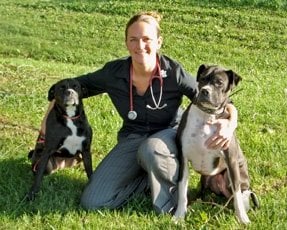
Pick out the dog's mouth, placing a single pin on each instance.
(71, 97)
(71, 101)
(208, 105)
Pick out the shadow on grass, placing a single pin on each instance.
(60, 192)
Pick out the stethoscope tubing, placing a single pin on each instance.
(132, 115)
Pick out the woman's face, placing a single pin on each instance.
(142, 42)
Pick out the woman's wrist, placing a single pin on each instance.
(233, 116)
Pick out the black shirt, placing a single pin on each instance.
(114, 79)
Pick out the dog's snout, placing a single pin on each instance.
(69, 92)
(71, 97)
(204, 92)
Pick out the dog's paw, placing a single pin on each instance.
(246, 196)
(243, 217)
(240, 208)
(246, 199)
(177, 220)
(179, 215)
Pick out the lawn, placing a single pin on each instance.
(45, 41)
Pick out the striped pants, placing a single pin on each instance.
(135, 164)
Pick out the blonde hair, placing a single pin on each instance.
(150, 17)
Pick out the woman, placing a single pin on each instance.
(145, 155)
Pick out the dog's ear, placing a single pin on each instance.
(51, 93)
(234, 78)
(200, 70)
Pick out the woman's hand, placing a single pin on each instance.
(224, 132)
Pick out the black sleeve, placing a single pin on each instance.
(95, 82)
(187, 83)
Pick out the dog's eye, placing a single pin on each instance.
(75, 86)
(218, 83)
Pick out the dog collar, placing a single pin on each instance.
(215, 112)
(71, 118)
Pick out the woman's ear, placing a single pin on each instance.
(159, 42)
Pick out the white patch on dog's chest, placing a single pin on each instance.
(196, 132)
(73, 143)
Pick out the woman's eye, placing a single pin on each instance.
(147, 40)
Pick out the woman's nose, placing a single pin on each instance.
(141, 43)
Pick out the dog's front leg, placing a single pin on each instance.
(234, 180)
(88, 163)
(87, 159)
(38, 176)
(182, 191)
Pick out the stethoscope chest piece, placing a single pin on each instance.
(132, 115)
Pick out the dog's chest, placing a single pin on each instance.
(196, 132)
(73, 142)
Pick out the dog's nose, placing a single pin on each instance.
(205, 92)
(69, 92)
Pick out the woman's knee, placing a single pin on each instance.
(150, 151)
(88, 201)
(162, 143)
(158, 154)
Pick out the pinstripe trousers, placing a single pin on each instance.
(135, 164)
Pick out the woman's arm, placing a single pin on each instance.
(225, 129)
(43, 123)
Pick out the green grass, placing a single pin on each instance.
(44, 41)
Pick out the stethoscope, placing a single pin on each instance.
(132, 114)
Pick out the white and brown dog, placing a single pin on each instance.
(222, 171)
